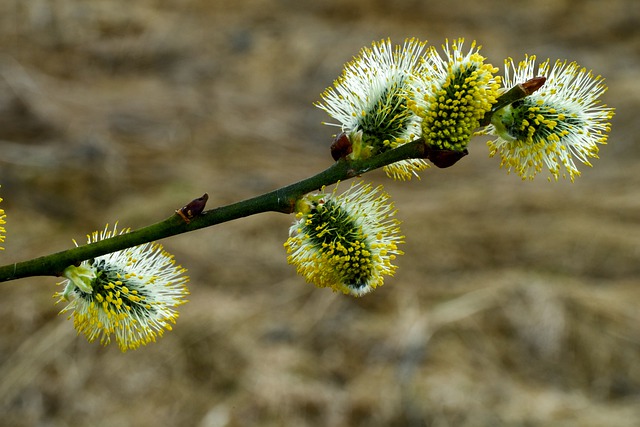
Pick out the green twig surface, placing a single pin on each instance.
(280, 200)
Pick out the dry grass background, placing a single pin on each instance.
(516, 303)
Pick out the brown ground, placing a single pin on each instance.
(516, 303)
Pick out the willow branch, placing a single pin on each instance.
(280, 200)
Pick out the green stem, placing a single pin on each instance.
(514, 94)
(280, 200)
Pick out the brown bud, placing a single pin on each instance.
(193, 208)
(533, 84)
(341, 147)
(445, 158)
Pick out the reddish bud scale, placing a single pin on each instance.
(532, 85)
(193, 208)
(446, 158)
(341, 147)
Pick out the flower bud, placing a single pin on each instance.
(371, 103)
(130, 294)
(346, 242)
(560, 122)
(460, 90)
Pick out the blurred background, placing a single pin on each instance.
(516, 303)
